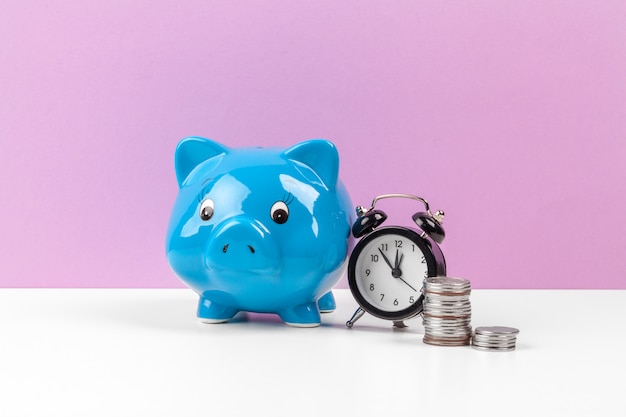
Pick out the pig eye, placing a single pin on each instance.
(279, 212)
(206, 209)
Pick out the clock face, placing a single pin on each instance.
(387, 270)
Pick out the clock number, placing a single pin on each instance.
(374, 258)
(413, 247)
(371, 287)
(398, 243)
(423, 259)
(426, 274)
(367, 272)
(384, 246)
(395, 302)
(382, 296)
(411, 299)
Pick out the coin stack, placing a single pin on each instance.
(447, 311)
(495, 338)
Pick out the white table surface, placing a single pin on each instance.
(94, 352)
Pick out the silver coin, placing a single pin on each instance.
(451, 284)
(441, 296)
(435, 327)
(496, 330)
(485, 343)
(449, 333)
(435, 318)
(446, 288)
(444, 342)
(448, 339)
(435, 294)
(447, 306)
(446, 325)
(497, 345)
(493, 349)
(465, 314)
(450, 287)
(447, 315)
(435, 308)
(431, 298)
(442, 293)
(445, 319)
(443, 300)
(442, 281)
(446, 311)
(496, 336)
(483, 339)
(433, 322)
(439, 343)
(450, 336)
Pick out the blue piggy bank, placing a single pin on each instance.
(260, 230)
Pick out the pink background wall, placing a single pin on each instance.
(510, 116)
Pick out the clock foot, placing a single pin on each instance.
(357, 315)
(399, 324)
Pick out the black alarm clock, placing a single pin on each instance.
(388, 265)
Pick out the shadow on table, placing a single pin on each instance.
(176, 312)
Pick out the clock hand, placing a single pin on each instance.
(400, 278)
(396, 271)
(386, 259)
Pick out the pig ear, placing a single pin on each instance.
(319, 155)
(191, 152)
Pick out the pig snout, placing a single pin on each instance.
(242, 244)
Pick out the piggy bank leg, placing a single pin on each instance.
(212, 312)
(327, 303)
(303, 315)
